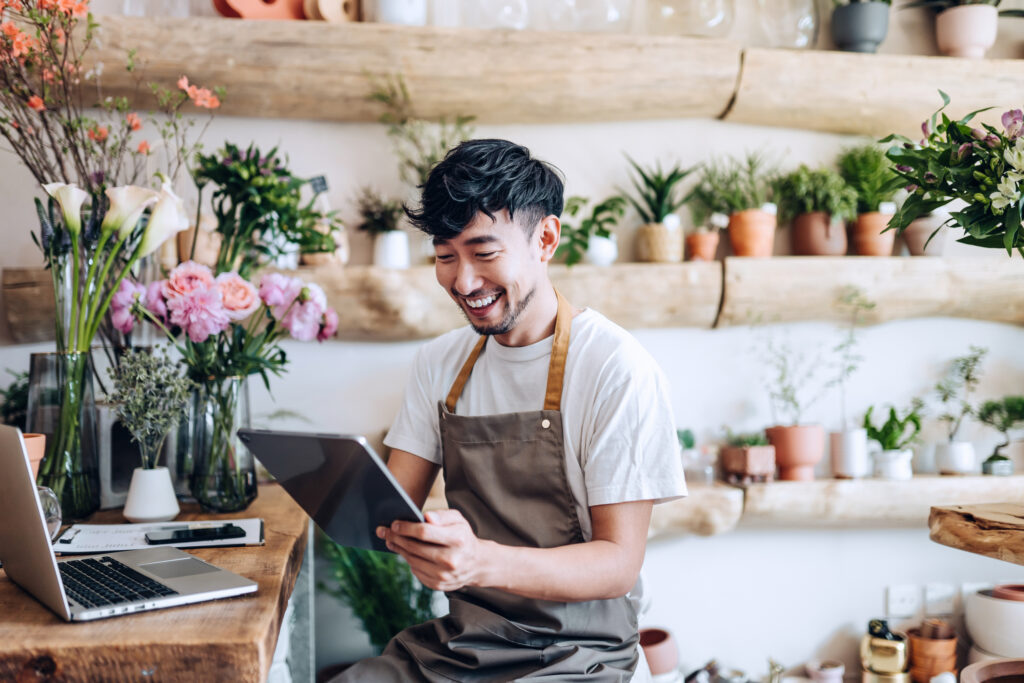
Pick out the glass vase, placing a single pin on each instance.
(61, 404)
(223, 469)
(704, 18)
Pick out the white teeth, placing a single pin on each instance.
(480, 303)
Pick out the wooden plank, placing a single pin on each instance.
(878, 94)
(832, 502)
(708, 510)
(29, 304)
(230, 639)
(992, 529)
(786, 289)
(320, 70)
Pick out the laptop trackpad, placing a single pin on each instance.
(176, 569)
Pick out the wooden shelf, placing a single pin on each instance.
(993, 529)
(708, 510)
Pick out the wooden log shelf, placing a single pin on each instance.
(993, 529)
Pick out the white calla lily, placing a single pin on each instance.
(127, 203)
(167, 219)
(70, 198)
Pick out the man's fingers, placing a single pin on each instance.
(445, 517)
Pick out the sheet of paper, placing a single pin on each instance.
(101, 538)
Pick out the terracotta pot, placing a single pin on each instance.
(967, 30)
(1009, 591)
(660, 650)
(659, 243)
(917, 234)
(815, 234)
(798, 449)
(35, 444)
(702, 246)
(752, 233)
(756, 463)
(1003, 671)
(930, 656)
(868, 238)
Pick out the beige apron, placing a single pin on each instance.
(507, 475)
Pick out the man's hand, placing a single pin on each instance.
(443, 553)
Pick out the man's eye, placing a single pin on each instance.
(444, 258)
(487, 254)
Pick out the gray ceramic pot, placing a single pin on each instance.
(860, 26)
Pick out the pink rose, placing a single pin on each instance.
(200, 314)
(328, 326)
(238, 296)
(187, 278)
(279, 291)
(155, 302)
(128, 292)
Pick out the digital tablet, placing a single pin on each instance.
(338, 480)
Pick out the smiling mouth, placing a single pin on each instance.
(481, 306)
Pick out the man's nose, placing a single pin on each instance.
(466, 279)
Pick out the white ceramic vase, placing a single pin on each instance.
(405, 12)
(849, 451)
(957, 457)
(601, 251)
(391, 249)
(151, 496)
(894, 465)
(966, 30)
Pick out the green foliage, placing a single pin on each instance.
(745, 439)
(686, 438)
(869, 172)
(603, 217)
(379, 588)
(1003, 415)
(657, 191)
(896, 433)
(150, 394)
(728, 185)
(806, 191)
(954, 390)
(13, 410)
(377, 213)
(854, 304)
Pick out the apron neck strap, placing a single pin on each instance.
(556, 367)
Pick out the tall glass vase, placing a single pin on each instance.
(61, 404)
(223, 469)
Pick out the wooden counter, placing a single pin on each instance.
(231, 639)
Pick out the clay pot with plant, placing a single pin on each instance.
(965, 28)
(747, 458)
(894, 438)
(592, 240)
(657, 196)
(1002, 415)
(817, 202)
(848, 447)
(954, 397)
(741, 190)
(870, 173)
(924, 236)
(798, 447)
(702, 242)
(381, 217)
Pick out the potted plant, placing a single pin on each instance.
(818, 202)
(150, 394)
(897, 433)
(924, 235)
(380, 217)
(742, 191)
(702, 241)
(965, 28)
(593, 240)
(798, 447)
(859, 26)
(747, 458)
(1002, 415)
(849, 446)
(657, 198)
(954, 393)
(866, 169)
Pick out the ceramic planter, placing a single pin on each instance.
(916, 235)
(868, 238)
(752, 233)
(860, 26)
(702, 246)
(957, 457)
(660, 650)
(747, 464)
(1004, 671)
(660, 242)
(894, 464)
(798, 449)
(930, 656)
(966, 30)
(995, 624)
(816, 234)
(849, 453)
(601, 251)
(391, 250)
(151, 496)
(999, 468)
(825, 671)
(404, 12)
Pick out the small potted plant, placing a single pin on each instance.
(818, 202)
(381, 217)
(954, 394)
(150, 394)
(965, 28)
(894, 438)
(859, 25)
(1002, 415)
(924, 235)
(741, 190)
(866, 169)
(747, 458)
(593, 239)
(657, 197)
(798, 447)
(702, 241)
(849, 446)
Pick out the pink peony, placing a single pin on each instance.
(199, 313)
(303, 319)
(128, 292)
(329, 325)
(279, 291)
(155, 302)
(187, 278)
(239, 297)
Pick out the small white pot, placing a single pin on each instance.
(391, 250)
(894, 464)
(601, 251)
(966, 30)
(405, 12)
(151, 496)
(849, 450)
(957, 457)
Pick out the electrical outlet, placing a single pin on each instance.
(903, 600)
(939, 599)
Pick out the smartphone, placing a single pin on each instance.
(209, 533)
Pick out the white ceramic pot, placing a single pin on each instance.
(995, 625)
(924, 459)
(825, 671)
(849, 451)
(151, 496)
(405, 12)
(966, 30)
(976, 654)
(957, 457)
(391, 249)
(601, 251)
(894, 464)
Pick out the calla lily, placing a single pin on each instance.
(70, 198)
(168, 218)
(126, 206)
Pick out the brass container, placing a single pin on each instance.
(872, 677)
(881, 656)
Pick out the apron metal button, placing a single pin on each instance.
(545, 423)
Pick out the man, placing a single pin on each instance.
(554, 432)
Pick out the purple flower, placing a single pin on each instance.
(911, 188)
(328, 326)
(926, 128)
(97, 177)
(978, 133)
(992, 140)
(930, 178)
(903, 169)
(128, 292)
(200, 314)
(1013, 122)
(155, 302)
(962, 151)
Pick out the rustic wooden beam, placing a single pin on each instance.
(992, 529)
(708, 510)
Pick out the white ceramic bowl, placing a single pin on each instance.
(995, 625)
(976, 654)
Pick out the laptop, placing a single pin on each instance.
(99, 586)
(339, 481)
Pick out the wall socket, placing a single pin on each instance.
(903, 600)
(939, 599)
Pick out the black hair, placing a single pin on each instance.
(487, 176)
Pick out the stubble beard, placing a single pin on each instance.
(508, 322)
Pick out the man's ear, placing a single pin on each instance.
(547, 235)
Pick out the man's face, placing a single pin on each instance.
(491, 270)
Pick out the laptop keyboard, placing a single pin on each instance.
(105, 581)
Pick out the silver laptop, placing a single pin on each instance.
(97, 586)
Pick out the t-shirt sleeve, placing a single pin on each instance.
(415, 430)
(633, 452)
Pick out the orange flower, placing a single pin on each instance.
(99, 133)
(143, 147)
(9, 29)
(134, 122)
(202, 97)
(183, 83)
(59, 34)
(47, 4)
(13, 5)
(35, 103)
(81, 9)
